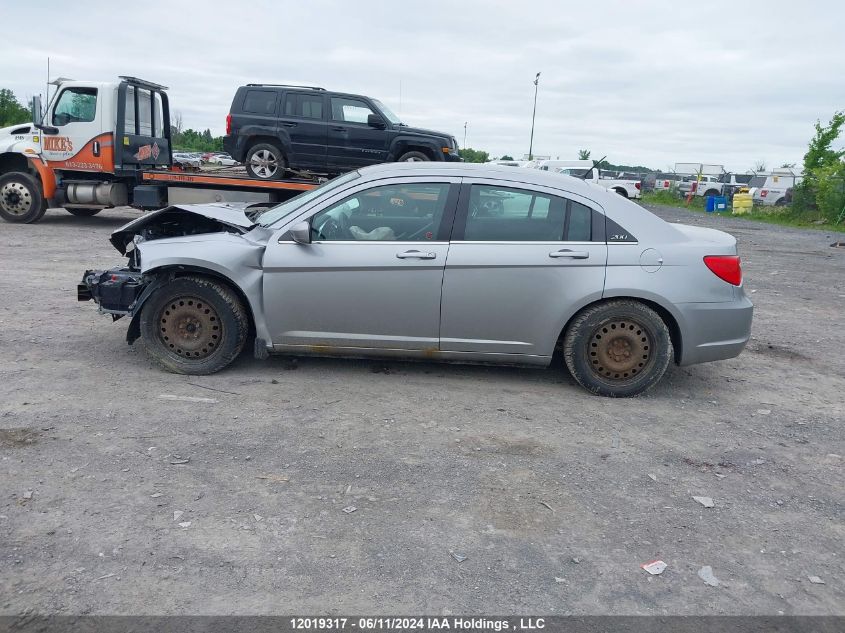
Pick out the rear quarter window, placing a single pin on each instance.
(260, 102)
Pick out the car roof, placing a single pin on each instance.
(481, 170)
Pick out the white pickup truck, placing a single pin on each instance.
(722, 185)
(625, 188)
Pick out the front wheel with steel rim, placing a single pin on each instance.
(619, 348)
(20, 198)
(265, 161)
(194, 325)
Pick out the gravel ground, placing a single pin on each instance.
(555, 497)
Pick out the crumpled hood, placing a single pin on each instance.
(185, 219)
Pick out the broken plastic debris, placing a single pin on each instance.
(167, 396)
(349, 509)
(652, 476)
(257, 517)
(27, 494)
(458, 557)
(177, 514)
(707, 502)
(763, 411)
(655, 567)
(155, 495)
(559, 579)
(185, 524)
(706, 574)
(178, 459)
(815, 580)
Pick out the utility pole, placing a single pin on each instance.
(533, 115)
(465, 135)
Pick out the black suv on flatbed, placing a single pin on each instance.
(272, 128)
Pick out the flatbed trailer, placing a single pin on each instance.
(102, 145)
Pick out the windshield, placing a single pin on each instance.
(387, 112)
(274, 214)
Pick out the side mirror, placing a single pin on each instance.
(36, 111)
(301, 233)
(374, 120)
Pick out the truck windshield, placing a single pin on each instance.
(274, 214)
(387, 112)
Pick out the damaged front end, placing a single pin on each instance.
(122, 291)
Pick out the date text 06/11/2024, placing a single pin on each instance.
(421, 623)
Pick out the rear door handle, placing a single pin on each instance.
(338, 129)
(289, 124)
(565, 252)
(416, 255)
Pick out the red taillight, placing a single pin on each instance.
(725, 267)
(763, 193)
(228, 123)
(638, 185)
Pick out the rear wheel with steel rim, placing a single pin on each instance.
(265, 161)
(21, 200)
(618, 348)
(194, 325)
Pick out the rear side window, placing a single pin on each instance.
(505, 214)
(302, 105)
(260, 102)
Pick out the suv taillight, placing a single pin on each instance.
(763, 193)
(638, 185)
(725, 267)
(229, 123)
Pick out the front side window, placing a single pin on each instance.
(76, 105)
(350, 110)
(401, 212)
(505, 214)
(287, 208)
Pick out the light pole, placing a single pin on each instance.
(533, 114)
(465, 135)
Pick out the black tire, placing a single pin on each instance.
(619, 348)
(711, 192)
(194, 325)
(83, 213)
(21, 200)
(265, 161)
(621, 192)
(412, 157)
(780, 202)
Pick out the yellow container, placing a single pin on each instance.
(742, 203)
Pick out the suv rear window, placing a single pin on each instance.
(260, 102)
(308, 106)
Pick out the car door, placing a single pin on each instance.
(372, 275)
(352, 142)
(521, 260)
(304, 120)
(77, 116)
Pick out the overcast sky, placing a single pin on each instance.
(650, 83)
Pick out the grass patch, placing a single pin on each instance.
(783, 216)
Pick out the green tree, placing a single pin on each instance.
(583, 154)
(506, 157)
(11, 111)
(820, 154)
(473, 155)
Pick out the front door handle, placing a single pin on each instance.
(289, 124)
(338, 129)
(565, 252)
(416, 255)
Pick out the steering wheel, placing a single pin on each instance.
(335, 229)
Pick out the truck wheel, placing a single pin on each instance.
(20, 199)
(412, 157)
(618, 348)
(83, 213)
(621, 192)
(711, 192)
(194, 325)
(265, 161)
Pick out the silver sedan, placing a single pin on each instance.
(433, 261)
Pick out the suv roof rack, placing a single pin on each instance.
(289, 86)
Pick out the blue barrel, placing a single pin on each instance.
(710, 205)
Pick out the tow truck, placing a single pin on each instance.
(101, 145)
